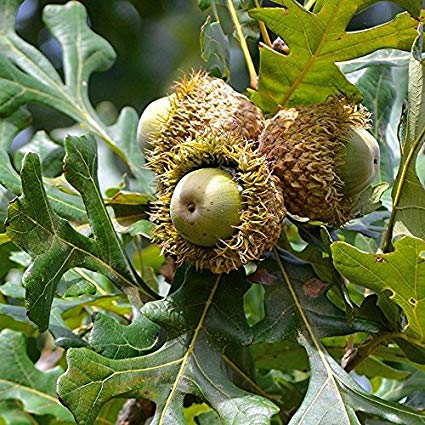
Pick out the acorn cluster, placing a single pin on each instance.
(227, 176)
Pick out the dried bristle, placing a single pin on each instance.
(302, 145)
(263, 208)
(203, 104)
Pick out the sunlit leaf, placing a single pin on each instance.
(401, 272)
(26, 75)
(308, 74)
(52, 242)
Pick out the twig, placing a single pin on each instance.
(135, 412)
(309, 5)
(365, 350)
(263, 29)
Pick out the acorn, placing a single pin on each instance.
(197, 199)
(219, 204)
(202, 104)
(151, 120)
(324, 157)
(359, 162)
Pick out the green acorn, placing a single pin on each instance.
(324, 158)
(151, 120)
(359, 162)
(198, 198)
(219, 205)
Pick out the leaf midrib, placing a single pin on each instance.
(190, 349)
(317, 344)
(81, 250)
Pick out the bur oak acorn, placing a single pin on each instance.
(219, 205)
(324, 157)
(201, 104)
(358, 163)
(206, 206)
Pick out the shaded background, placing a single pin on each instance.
(155, 41)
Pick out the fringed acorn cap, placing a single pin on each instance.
(201, 103)
(310, 148)
(261, 202)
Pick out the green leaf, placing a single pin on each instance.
(116, 341)
(201, 318)
(378, 86)
(50, 152)
(69, 207)
(401, 272)
(204, 4)
(282, 355)
(81, 172)
(385, 57)
(20, 380)
(6, 264)
(12, 414)
(109, 413)
(281, 320)
(129, 208)
(396, 391)
(65, 205)
(215, 49)
(408, 215)
(51, 241)
(332, 396)
(308, 74)
(142, 227)
(75, 283)
(13, 290)
(84, 52)
(9, 128)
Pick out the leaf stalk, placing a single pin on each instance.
(263, 28)
(244, 46)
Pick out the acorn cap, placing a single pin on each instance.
(203, 104)
(260, 213)
(324, 158)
